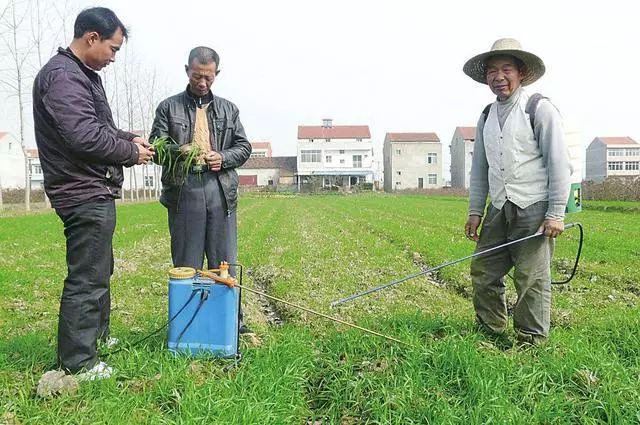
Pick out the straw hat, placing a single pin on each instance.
(533, 66)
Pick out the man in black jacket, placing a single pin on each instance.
(82, 154)
(201, 198)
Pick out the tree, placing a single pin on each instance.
(19, 52)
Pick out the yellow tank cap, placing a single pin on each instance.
(182, 273)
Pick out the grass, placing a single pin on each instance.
(312, 250)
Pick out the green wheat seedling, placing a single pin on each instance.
(169, 154)
(163, 153)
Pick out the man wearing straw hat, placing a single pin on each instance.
(522, 164)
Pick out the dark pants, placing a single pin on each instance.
(201, 226)
(531, 260)
(85, 304)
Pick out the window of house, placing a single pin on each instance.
(420, 183)
(327, 140)
(432, 158)
(398, 183)
(310, 156)
(148, 181)
(399, 173)
(397, 151)
(614, 165)
(615, 152)
(633, 151)
(36, 169)
(341, 151)
(311, 140)
(631, 165)
(357, 161)
(359, 140)
(432, 178)
(327, 158)
(258, 154)
(342, 161)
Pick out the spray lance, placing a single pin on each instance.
(476, 254)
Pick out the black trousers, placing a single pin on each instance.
(86, 303)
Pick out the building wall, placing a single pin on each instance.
(461, 158)
(265, 175)
(142, 177)
(12, 166)
(11, 163)
(627, 158)
(596, 161)
(409, 164)
(336, 157)
(386, 163)
(600, 158)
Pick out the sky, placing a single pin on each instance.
(395, 66)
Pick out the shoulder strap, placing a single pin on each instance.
(532, 106)
(485, 112)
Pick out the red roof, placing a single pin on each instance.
(284, 163)
(32, 153)
(468, 133)
(617, 140)
(334, 132)
(412, 137)
(2, 134)
(261, 145)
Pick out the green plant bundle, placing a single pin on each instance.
(176, 157)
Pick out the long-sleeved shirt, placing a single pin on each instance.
(513, 162)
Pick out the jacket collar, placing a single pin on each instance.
(199, 100)
(68, 53)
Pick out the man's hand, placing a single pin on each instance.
(141, 141)
(145, 150)
(145, 153)
(471, 228)
(214, 160)
(552, 228)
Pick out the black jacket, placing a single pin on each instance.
(81, 150)
(175, 118)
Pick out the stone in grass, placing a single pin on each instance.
(56, 382)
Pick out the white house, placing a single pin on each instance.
(612, 156)
(412, 161)
(12, 167)
(268, 171)
(461, 156)
(260, 149)
(340, 155)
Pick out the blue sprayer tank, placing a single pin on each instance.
(208, 322)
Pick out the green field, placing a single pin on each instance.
(311, 250)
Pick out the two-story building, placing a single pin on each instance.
(412, 161)
(461, 156)
(340, 155)
(612, 156)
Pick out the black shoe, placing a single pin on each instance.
(244, 329)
